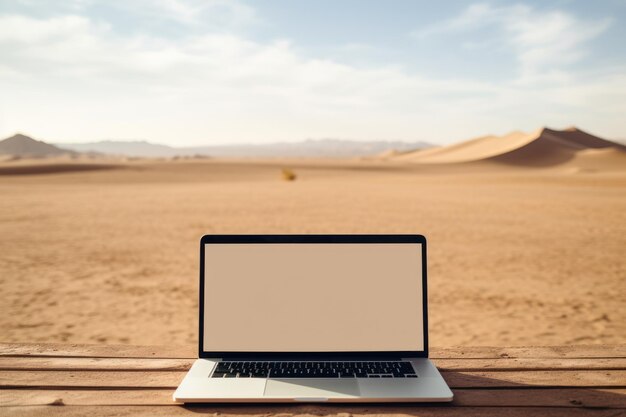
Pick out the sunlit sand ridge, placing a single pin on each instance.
(542, 148)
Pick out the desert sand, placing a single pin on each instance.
(526, 236)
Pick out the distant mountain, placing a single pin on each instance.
(22, 145)
(308, 148)
(125, 148)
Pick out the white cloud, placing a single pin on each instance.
(552, 40)
(544, 42)
(74, 47)
(76, 78)
(18, 29)
(210, 14)
(474, 16)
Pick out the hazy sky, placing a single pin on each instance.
(187, 72)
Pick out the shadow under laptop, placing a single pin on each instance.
(469, 391)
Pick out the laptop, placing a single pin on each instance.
(313, 318)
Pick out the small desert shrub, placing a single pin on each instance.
(288, 175)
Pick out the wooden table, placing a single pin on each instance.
(94, 380)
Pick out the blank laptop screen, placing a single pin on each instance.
(320, 297)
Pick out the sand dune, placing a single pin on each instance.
(608, 159)
(541, 148)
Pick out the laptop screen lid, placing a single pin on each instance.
(313, 296)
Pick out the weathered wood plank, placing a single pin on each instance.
(568, 397)
(533, 352)
(85, 364)
(530, 364)
(138, 380)
(93, 379)
(455, 379)
(190, 352)
(537, 397)
(519, 379)
(345, 410)
(97, 351)
(125, 364)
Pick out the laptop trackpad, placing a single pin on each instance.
(314, 388)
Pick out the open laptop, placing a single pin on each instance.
(313, 318)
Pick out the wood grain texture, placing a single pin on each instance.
(97, 351)
(190, 352)
(126, 364)
(171, 379)
(345, 410)
(87, 364)
(564, 397)
(51, 379)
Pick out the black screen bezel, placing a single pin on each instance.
(270, 239)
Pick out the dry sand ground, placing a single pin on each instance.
(517, 256)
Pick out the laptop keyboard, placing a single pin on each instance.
(293, 369)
